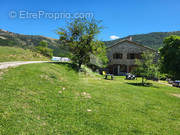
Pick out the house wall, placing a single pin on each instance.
(115, 65)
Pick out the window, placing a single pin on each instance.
(139, 56)
(131, 55)
(117, 56)
(134, 56)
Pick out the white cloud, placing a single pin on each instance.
(113, 37)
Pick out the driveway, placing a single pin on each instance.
(4, 65)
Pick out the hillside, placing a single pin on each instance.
(153, 40)
(30, 41)
(54, 99)
(19, 54)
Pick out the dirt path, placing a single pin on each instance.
(4, 65)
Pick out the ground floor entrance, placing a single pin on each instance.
(121, 69)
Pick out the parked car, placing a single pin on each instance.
(176, 83)
(169, 81)
(130, 76)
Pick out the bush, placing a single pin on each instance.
(45, 51)
(163, 76)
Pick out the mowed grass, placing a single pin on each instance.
(54, 99)
(19, 54)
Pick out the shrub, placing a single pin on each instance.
(45, 51)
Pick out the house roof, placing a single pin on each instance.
(126, 40)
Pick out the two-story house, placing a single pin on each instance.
(122, 56)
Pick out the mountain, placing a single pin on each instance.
(30, 41)
(153, 40)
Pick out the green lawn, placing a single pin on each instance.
(32, 101)
(18, 54)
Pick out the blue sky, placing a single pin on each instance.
(120, 17)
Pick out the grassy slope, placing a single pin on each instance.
(18, 54)
(31, 102)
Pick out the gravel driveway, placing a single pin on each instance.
(4, 65)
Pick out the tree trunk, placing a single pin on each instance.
(143, 80)
(79, 65)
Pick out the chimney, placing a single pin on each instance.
(130, 38)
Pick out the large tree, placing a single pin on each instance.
(80, 35)
(170, 56)
(147, 67)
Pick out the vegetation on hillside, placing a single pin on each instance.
(19, 54)
(30, 42)
(153, 40)
(54, 99)
(43, 49)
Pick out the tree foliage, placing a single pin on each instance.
(170, 56)
(80, 35)
(147, 67)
